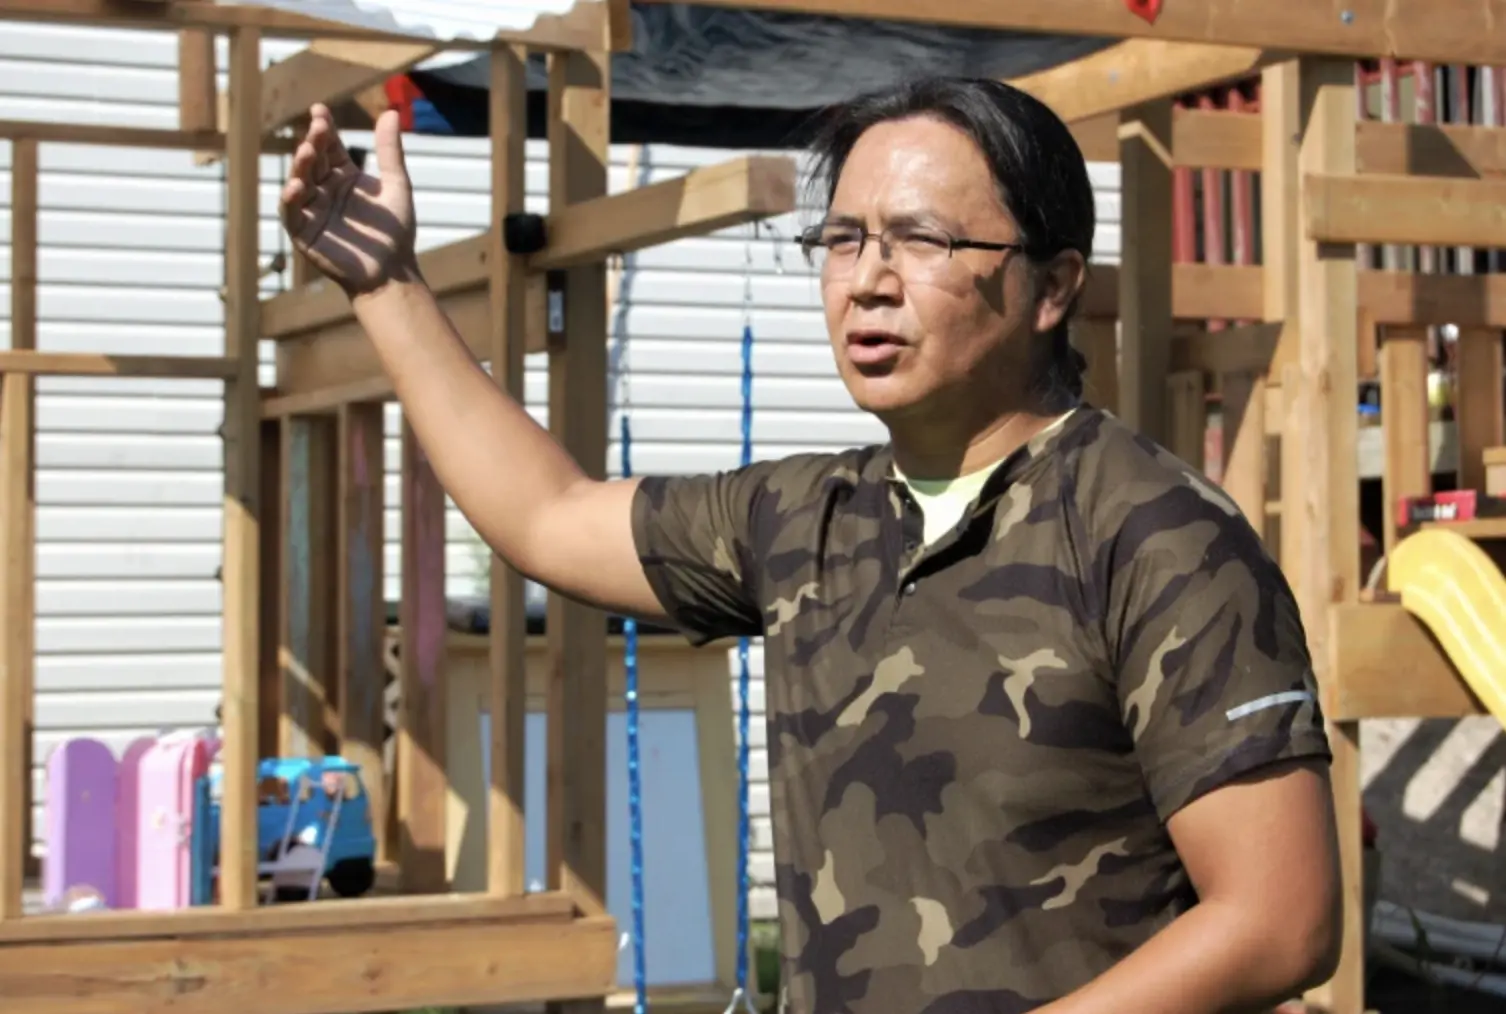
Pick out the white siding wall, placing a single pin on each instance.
(128, 483)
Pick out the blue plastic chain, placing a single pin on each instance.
(635, 787)
(744, 682)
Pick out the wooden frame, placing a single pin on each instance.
(316, 438)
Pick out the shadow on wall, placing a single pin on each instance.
(1436, 790)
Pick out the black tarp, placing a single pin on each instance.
(729, 78)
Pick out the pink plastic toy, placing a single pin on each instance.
(165, 786)
(79, 822)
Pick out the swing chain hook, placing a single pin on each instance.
(740, 994)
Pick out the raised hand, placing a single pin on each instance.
(356, 228)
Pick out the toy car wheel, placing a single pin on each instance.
(351, 878)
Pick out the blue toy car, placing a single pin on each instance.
(304, 804)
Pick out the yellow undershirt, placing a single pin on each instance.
(943, 502)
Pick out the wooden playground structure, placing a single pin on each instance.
(1286, 337)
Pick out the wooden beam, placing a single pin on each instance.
(18, 542)
(1404, 420)
(1444, 31)
(579, 100)
(421, 780)
(1245, 348)
(1135, 72)
(703, 200)
(127, 137)
(332, 71)
(240, 570)
(1145, 272)
(1372, 644)
(198, 104)
(1320, 472)
(1230, 291)
(307, 621)
(507, 341)
(396, 954)
(361, 614)
(1479, 402)
(91, 364)
(1404, 209)
(587, 23)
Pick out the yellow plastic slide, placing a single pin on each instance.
(1448, 582)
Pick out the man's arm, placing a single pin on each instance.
(525, 496)
(1262, 854)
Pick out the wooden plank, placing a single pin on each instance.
(240, 570)
(1204, 291)
(1446, 31)
(1404, 421)
(1495, 471)
(1417, 149)
(270, 591)
(1187, 416)
(1479, 402)
(1373, 645)
(507, 640)
(421, 713)
(379, 966)
(128, 137)
(198, 100)
(703, 200)
(371, 390)
(1246, 463)
(18, 542)
(1320, 471)
(579, 95)
(1243, 348)
(1145, 276)
(1134, 72)
(90, 364)
(1215, 139)
(361, 606)
(1404, 209)
(308, 618)
(331, 71)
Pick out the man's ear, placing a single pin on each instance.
(1058, 285)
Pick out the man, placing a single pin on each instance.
(1042, 726)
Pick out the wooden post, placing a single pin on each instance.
(242, 435)
(308, 619)
(1098, 341)
(361, 614)
(1186, 402)
(270, 594)
(579, 115)
(198, 94)
(1479, 408)
(1320, 478)
(18, 541)
(1404, 420)
(422, 782)
(508, 636)
(1145, 267)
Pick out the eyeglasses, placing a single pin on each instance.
(909, 249)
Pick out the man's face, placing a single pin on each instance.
(923, 331)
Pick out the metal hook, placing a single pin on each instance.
(747, 1002)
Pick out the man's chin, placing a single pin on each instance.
(882, 396)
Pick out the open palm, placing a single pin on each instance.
(356, 228)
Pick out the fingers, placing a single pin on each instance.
(388, 141)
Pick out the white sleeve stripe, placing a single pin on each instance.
(1268, 701)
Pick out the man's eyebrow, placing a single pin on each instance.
(922, 218)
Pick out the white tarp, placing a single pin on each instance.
(441, 20)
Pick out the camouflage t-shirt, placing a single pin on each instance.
(974, 746)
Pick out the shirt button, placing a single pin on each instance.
(910, 588)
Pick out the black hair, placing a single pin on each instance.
(1040, 171)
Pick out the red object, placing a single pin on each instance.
(1453, 505)
(1147, 9)
(401, 93)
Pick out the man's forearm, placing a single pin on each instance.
(1214, 959)
(489, 454)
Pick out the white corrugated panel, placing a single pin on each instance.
(446, 20)
(128, 482)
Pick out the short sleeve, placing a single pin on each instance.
(694, 537)
(1211, 660)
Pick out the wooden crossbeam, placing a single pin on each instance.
(1445, 31)
(590, 24)
(89, 364)
(1136, 71)
(125, 137)
(1405, 209)
(1234, 292)
(1217, 139)
(331, 71)
(703, 200)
